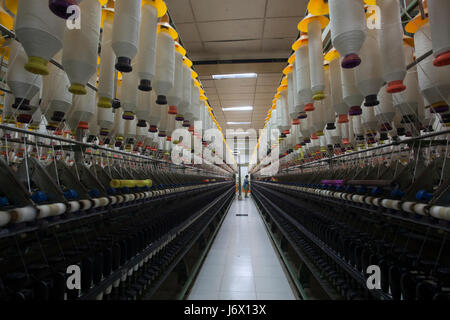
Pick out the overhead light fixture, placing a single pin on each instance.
(233, 122)
(234, 76)
(244, 108)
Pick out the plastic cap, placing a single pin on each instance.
(104, 103)
(351, 61)
(309, 107)
(395, 86)
(37, 65)
(78, 89)
(442, 60)
(342, 118)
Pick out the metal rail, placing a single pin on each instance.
(353, 272)
(102, 286)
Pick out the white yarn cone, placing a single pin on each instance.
(80, 65)
(368, 74)
(108, 58)
(351, 95)
(127, 19)
(348, 27)
(23, 84)
(390, 39)
(439, 12)
(40, 32)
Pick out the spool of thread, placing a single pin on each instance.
(100, 202)
(54, 209)
(85, 204)
(23, 214)
(74, 206)
(440, 212)
(5, 218)
(391, 204)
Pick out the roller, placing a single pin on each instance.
(5, 218)
(108, 58)
(40, 32)
(440, 212)
(54, 209)
(80, 65)
(125, 39)
(348, 29)
(312, 25)
(165, 61)
(151, 11)
(23, 84)
(23, 214)
(116, 183)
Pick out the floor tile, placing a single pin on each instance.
(242, 263)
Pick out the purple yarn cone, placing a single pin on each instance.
(59, 7)
(350, 61)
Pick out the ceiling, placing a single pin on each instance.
(216, 30)
(237, 29)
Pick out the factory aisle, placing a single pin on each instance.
(242, 263)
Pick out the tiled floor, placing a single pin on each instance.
(242, 264)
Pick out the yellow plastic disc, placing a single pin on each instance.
(331, 55)
(6, 20)
(37, 65)
(104, 103)
(408, 40)
(197, 83)
(203, 97)
(160, 6)
(319, 96)
(414, 25)
(78, 89)
(291, 59)
(303, 24)
(165, 27)
(371, 2)
(194, 74)
(107, 15)
(187, 62)
(10, 5)
(282, 88)
(303, 40)
(318, 7)
(287, 70)
(180, 49)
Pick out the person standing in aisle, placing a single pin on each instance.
(246, 186)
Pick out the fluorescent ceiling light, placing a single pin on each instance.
(232, 122)
(234, 76)
(244, 108)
